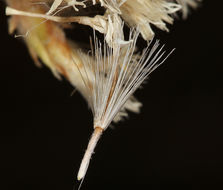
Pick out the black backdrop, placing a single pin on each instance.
(175, 143)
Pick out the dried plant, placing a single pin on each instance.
(108, 76)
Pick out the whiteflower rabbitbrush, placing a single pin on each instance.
(106, 80)
(111, 79)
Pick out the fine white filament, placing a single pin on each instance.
(111, 79)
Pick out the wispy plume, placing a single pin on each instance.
(112, 79)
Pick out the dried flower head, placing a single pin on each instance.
(108, 76)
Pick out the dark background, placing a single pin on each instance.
(175, 143)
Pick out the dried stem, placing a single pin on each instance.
(12, 11)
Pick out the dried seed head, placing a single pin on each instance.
(109, 78)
